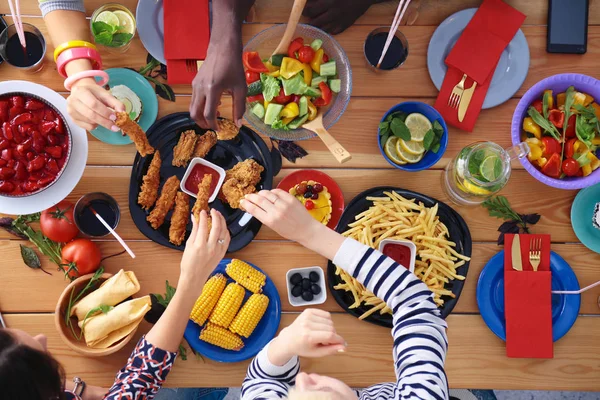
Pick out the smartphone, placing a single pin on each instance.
(567, 26)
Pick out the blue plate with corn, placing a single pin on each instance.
(236, 315)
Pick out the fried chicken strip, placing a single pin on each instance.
(180, 218)
(182, 152)
(135, 133)
(150, 183)
(203, 196)
(164, 203)
(227, 129)
(205, 143)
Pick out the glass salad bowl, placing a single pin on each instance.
(265, 43)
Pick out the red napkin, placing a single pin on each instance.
(527, 302)
(476, 54)
(187, 33)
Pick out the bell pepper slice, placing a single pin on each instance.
(291, 110)
(560, 100)
(307, 74)
(550, 98)
(287, 120)
(570, 148)
(596, 109)
(290, 67)
(326, 95)
(557, 118)
(252, 62)
(588, 100)
(271, 67)
(586, 169)
(570, 132)
(552, 167)
(531, 127)
(578, 98)
(579, 146)
(312, 111)
(535, 152)
(315, 64)
(594, 162)
(538, 105)
(258, 97)
(550, 146)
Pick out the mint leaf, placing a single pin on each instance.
(436, 147)
(400, 129)
(384, 128)
(428, 139)
(104, 38)
(121, 39)
(401, 115)
(99, 27)
(438, 129)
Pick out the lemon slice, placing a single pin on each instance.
(390, 150)
(126, 22)
(475, 189)
(412, 147)
(108, 17)
(418, 125)
(406, 156)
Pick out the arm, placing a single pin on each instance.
(222, 71)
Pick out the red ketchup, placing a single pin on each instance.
(196, 176)
(399, 253)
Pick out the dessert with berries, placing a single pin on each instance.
(316, 199)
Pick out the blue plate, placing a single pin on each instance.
(581, 217)
(264, 332)
(490, 296)
(511, 70)
(140, 86)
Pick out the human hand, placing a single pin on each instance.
(325, 14)
(90, 105)
(312, 335)
(221, 72)
(203, 249)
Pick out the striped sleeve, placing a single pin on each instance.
(420, 341)
(47, 6)
(265, 380)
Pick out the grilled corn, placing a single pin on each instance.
(228, 305)
(250, 315)
(247, 276)
(221, 337)
(208, 299)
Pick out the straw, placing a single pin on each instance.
(17, 20)
(2, 323)
(576, 291)
(112, 232)
(393, 28)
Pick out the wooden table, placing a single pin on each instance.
(476, 358)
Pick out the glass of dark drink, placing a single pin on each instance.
(30, 58)
(105, 205)
(396, 53)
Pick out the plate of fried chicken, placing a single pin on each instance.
(158, 205)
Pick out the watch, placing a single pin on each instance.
(78, 384)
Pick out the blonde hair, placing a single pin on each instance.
(311, 395)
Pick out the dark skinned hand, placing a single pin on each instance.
(222, 72)
(327, 14)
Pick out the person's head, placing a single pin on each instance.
(318, 387)
(27, 370)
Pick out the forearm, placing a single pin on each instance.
(90, 392)
(322, 240)
(228, 16)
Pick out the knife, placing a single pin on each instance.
(517, 263)
(464, 101)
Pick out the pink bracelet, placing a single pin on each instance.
(70, 81)
(77, 53)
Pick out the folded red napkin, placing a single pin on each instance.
(527, 302)
(476, 53)
(187, 33)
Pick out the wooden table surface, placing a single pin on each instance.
(476, 358)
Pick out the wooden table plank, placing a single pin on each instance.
(476, 358)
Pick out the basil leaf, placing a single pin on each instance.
(428, 139)
(399, 129)
(30, 257)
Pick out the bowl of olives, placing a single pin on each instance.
(306, 286)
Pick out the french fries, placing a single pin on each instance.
(395, 217)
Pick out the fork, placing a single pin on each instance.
(535, 252)
(193, 65)
(457, 93)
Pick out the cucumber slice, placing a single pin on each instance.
(312, 92)
(335, 85)
(276, 59)
(272, 113)
(297, 122)
(258, 110)
(303, 105)
(254, 88)
(328, 69)
(315, 81)
(316, 44)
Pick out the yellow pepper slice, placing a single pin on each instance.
(275, 74)
(287, 120)
(290, 67)
(579, 146)
(597, 109)
(542, 161)
(312, 111)
(560, 99)
(586, 169)
(271, 67)
(307, 74)
(588, 100)
(291, 110)
(315, 64)
(594, 162)
(550, 98)
(267, 104)
(535, 152)
(532, 127)
(578, 98)
(596, 141)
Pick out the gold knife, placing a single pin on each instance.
(517, 263)
(465, 100)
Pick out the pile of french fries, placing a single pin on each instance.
(395, 217)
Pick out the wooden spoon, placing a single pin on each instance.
(338, 151)
(290, 29)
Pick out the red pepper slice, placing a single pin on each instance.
(570, 148)
(552, 167)
(294, 47)
(252, 62)
(570, 133)
(557, 117)
(326, 95)
(551, 146)
(258, 97)
(538, 105)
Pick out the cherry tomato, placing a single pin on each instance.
(252, 76)
(552, 167)
(326, 95)
(306, 54)
(294, 47)
(325, 58)
(80, 257)
(570, 133)
(282, 98)
(538, 105)
(258, 97)
(57, 222)
(570, 167)
(557, 117)
(570, 148)
(252, 62)
(551, 146)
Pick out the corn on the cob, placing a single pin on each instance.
(250, 315)
(228, 305)
(245, 275)
(221, 337)
(208, 299)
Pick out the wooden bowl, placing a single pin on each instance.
(65, 332)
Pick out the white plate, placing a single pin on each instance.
(74, 169)
(151, 28)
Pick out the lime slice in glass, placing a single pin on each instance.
(108, 17)
(126, 22)
(491, 168)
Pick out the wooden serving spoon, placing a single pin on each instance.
(338, 151)
(290, 29)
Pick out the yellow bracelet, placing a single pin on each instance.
(70, 45)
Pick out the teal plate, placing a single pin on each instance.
(582, 211)
(140, 86)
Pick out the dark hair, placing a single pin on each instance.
(27, 373)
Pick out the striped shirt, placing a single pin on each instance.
(52, 5)
(419, 334)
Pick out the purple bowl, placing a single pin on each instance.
(558, 83)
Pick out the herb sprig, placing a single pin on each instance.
(154, 70)
(499, 207)
(108, 35)
(72, 301)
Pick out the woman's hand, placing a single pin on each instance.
(90, 105)
(204, 250)
(312, 335)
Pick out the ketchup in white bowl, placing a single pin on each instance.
(402, 251)
(194, 174)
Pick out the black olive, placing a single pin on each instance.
(295, 279)
(307, 296)
(316, 289)
(297, 291)
(314, 276)
(305, 284)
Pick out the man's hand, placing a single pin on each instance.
(326, 14)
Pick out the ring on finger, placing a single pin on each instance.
(221, 241)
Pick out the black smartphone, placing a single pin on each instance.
(567, 26)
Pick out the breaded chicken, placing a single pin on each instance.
(205, 143)
(179, 219)
(227, 129)
(150, 183)
(233, 191)
(164, 203)
(203, 196)
(183, 151)
(135, 133)
(247, 172)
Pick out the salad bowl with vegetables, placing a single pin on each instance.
(285, 91)
(559, 118)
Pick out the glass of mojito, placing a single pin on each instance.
(113, 27)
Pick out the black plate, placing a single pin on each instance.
(163, 135)
(459, 234)
(3, 26)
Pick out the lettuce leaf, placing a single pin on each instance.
(294, 85)
(270, 86)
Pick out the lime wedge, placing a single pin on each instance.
(418, 125)
(406, 156)
(491, 168)
(108, 17)
(412, 147)
(126, 22)
(390, 150)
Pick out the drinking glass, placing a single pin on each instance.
(31, 59)
(122, 22)
(397, 52)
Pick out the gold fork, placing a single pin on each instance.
(535, 252)
(193, 65)
(457, 93)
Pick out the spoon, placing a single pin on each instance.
(290, 29)
(338, 151)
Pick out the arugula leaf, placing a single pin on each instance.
(584, 130)
(271, 86)
(46, 246)
(428, 139)
(569, 98)
(31, 259)
(546, 125)
(399, 129)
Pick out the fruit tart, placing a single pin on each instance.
(316, 199)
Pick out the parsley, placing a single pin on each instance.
(169, 293)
